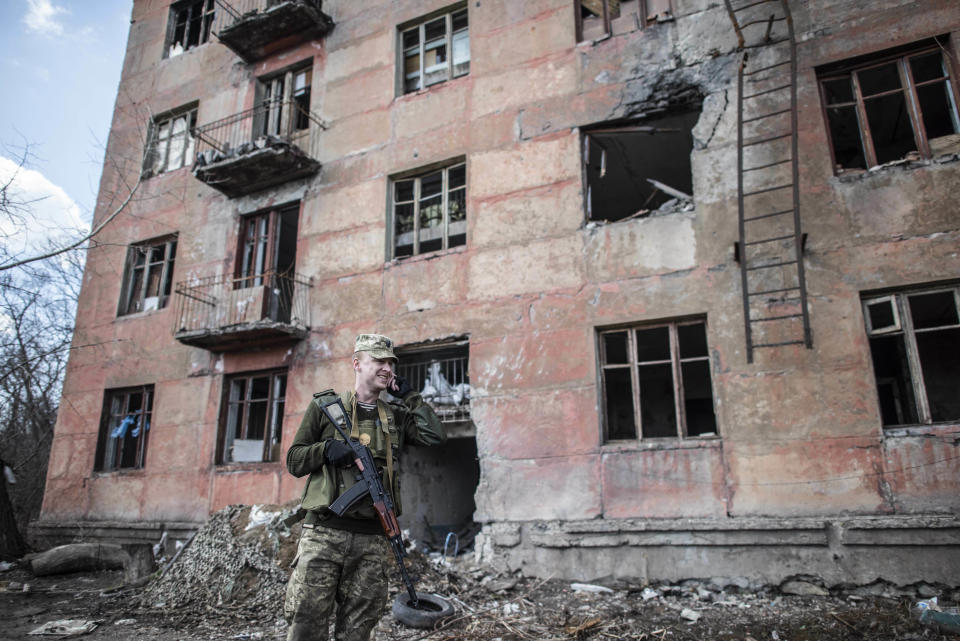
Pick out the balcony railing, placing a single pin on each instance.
(254, 29)
(443, 383)
(257, 148)
(222, 313)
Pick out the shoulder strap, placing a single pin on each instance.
(323, 397)
(384, 423)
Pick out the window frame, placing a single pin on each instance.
(417, 177)
(151, 160)
(208, 16)
(904, 318)
(280, 98)
(273, 429)
(167, 264)
(448, 13)
(109, 454)
(642, 9)
(650, 126)
(265, 245)
(632, 364)
(908, 88)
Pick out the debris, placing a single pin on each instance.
(78, 557)
(944, 621)
(587, 587)
(497, 586)
(579, 629)
(125, 622)
(7, 565)
(803, 588)
(259, 516)
(66, 628)
(224, 563)
(720, 583)
(667, 189)
(649, 593)
(689, 615)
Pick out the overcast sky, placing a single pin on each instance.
(60, 65)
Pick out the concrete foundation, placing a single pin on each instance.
(855, 551)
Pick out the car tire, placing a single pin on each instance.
(432, 609)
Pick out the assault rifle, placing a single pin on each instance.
(368, 484)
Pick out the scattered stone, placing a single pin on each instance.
(926, 591)
(65, 628)
(649, 593)
(79, 557)
(803, 588)
(720, 583)
(878, 588)
(587, 587)
(497, 586)
(689, 615)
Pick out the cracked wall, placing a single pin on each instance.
(800, 432)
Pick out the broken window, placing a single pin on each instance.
(190, 23)
(634, 169)
(435, 49)
(891, 107)
(148, 276)
(915, 346)
(430, 211)
(285, 103)
(171, 141)
(252, 423)
(599, 18)
(268, 245)
(656, 382)
(124, 428)
(441, 374)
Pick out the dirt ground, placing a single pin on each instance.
(228, 583)
(488, 608)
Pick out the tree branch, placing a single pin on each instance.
(96, 230)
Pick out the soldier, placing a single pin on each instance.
(346, 560)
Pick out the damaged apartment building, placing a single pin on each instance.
(682, 277)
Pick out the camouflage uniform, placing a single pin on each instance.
(346, 560)
(336, 566)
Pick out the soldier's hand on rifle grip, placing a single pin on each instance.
(400, 386)
(338, 453)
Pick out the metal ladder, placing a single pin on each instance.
(770, 249)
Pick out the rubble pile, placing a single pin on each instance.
(230, 580)
(237, 561)
(507, 606)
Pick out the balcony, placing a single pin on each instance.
(255, 149)
(221, 313)
(254, 29)
(441, 376)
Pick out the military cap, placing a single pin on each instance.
(377, 345)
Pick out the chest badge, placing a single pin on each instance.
(364, 439)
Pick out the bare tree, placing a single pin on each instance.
(36, 326)
(37, 310)
(39, 287)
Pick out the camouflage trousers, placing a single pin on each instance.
(342, 568)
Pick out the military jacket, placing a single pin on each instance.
(413, 422)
